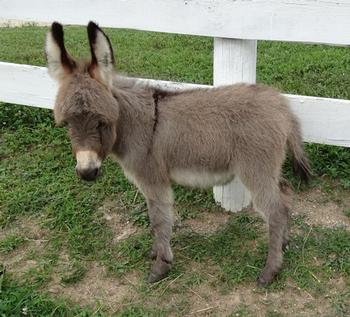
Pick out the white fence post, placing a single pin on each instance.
(234, 61)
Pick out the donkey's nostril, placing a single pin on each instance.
(94, 172)
(88, 174)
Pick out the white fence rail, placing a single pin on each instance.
(318, 21)
(323, 120)
(235, 25)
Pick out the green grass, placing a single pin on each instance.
(10, 243)
(347, 213)
(17, 300)
(245, 233)
(37, 181)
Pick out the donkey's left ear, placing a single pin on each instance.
(102, 58)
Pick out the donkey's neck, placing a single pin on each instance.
(135, 127)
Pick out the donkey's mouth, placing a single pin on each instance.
(88, 174)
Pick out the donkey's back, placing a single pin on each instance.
(206, 136)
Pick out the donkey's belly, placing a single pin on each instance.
(200, 178)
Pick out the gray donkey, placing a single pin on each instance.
(200, 137)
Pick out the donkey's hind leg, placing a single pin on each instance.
(277, 223)
(160, 202)
(286, 194)
(270, 201)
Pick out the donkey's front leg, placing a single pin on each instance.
(161, 218)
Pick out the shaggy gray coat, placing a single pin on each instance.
(197, 138)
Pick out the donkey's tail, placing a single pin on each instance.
(301, 166)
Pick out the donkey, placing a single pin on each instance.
(199, 137)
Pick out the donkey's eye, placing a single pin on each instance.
(101, 125)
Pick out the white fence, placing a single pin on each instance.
(235, 26)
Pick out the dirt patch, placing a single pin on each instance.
(121, 227)
(97, 287)
(315, 205)
(206, 222)
(36, 239)
(319, 210)
(207, 298)
(25, 227)
(292, 301)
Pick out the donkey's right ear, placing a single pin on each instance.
(102, 58)
(58, 60)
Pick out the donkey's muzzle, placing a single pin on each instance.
(88, 174)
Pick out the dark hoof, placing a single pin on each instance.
(159, 270)
(261, 282)
(265, 278)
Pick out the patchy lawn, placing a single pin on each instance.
(68, 248)
(218, 258)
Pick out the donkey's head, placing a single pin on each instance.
(85, 102)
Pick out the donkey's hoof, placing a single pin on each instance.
(261, 282)
(159, 270)
(265, 278)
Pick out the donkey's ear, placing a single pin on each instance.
(58, 60)
(102, 58)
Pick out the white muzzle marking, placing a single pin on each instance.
(87, 160)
